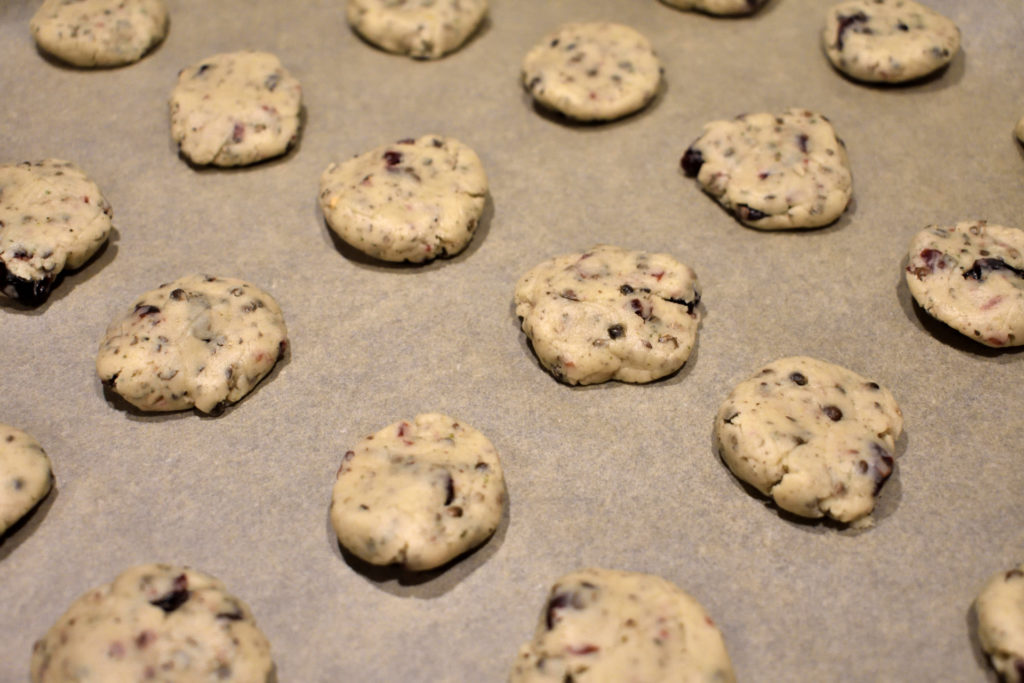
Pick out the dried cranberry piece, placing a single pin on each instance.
(449, 487)
(392, 158)
(844, 25)
(142, 310)
(833, 413)
(798, 378)
(690, 305)
(616, 331)
(980, 268)
(691, 162)
(176, 598)
(566, 600)
(747, 213)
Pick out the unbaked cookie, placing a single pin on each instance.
(888, 41)
(592, 72)
(155, 622)
(971, 277)
(52, 217)
(418, 493)
(1000, 611)
(99, 32)
(723, 7)
(423, 29)
(608, 625)
(816, 437)
(199, 341)
(235, 109)
(415, 200)
(773, 171)
(610, 314)
(1019, 130)
(25, 475)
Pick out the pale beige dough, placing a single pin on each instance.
(199, 341)
(888, 41)
(99, 32)
(418, 493)
(415, 200)
(610, 314)
(723, 7)
(235, 108)
(606, 625)
(817, 438)
(1000, 611)
(592, 72)
(154, 622)
(774, 171)
(25, 475)
(423, 29)
(971, 277)
(52, 217)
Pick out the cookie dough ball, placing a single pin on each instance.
(155, 618)
(418, 493)
(888, 41)
(609, 313)
(722, 7)
(773, 172)
(199, 341)
(607, 625)
(52, 217)
(971, 277)
(99, 32)
(1000, 611)
(415, 200)
(817, 438)
(422, 29)
(235, 109)
(25, 475)
(593, 72)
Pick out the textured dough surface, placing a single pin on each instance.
(235, 108)
(415, 200)
(607, 625)
(199, 341)
(25, 475)
(99, 32)
(888, 41)
(1000, 610)
(723, 7)
(971, 277)
(423, 29)
(773, 171)
(609, 313)
(154, 622)
(418, 493)
(52, 217)
(817, 438)
(592, 72)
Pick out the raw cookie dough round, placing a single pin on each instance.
(25, 475)
(415, 200)
(723, 7)
(418, 493)
(815, 437)
(593, 72)
(423, 29)
(608, 625)
(609, 313)
(1000, 611)
(235, 108)
(1019, 130)
(971, 277)
(99, 32)
(201, 340)
(52, 217)
(888, 41)
(176, 621)
(773, 171)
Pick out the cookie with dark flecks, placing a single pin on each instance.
(25, 475)
(52, 218)
(155, 622)
(773, 171)
(235, 109)
(199, 341)
(592, 72)
(888, 41)
(971, 277)
(418, 493)
(718, 7)
(414, 200)
(99, 32)
(609, 625)
(817, 438)
(1000, 611)
(610, 314)
(422, 29)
